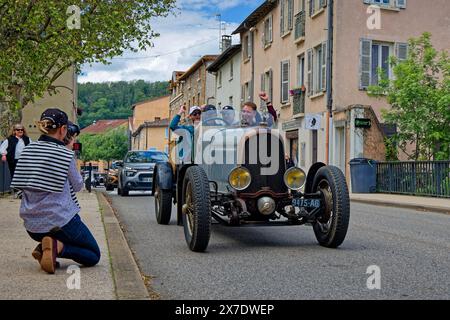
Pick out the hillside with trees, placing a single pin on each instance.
(113, 100)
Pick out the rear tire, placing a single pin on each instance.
(331, 227)
(196, 205)
(163, 204)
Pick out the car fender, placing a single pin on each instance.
(164, 175)
(311, 174)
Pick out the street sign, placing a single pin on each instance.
(363, 123)
(312, 121)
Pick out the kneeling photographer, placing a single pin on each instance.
(48, 177)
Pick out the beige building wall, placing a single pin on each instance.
(65, 99)
(350, 25)
(147, 111)
(152, 137)
(397, 25)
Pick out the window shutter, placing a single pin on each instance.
(400, 4)
(311, 7)
(243, 94)
(284, 81)
(290, 14)
(365, 58)
(324, 67)
(250, 45)
(263, 84)
(401, 51)
(271, 85)
(310, 74)
(250, 90)
(282, 18)
(270, 29)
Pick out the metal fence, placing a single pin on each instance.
(424, 178)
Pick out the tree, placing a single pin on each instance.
(40, 40)
(108, 146)
(419, 95)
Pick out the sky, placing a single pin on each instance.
(184, 37)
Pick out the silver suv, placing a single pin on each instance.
(136, 171)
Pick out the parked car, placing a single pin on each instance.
(112, 176)
(235, 193)
(136, 171)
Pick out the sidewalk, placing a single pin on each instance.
(431, 204)
(21, 276)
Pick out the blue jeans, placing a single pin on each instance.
(79, 243)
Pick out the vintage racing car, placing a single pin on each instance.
(237, 175)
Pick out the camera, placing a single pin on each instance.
(72, 131)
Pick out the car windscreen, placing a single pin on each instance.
(145, 157)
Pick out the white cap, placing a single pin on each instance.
(193, 108)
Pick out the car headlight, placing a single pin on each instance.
(130, 173)
(240, 178)
(294, 178)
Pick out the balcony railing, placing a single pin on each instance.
(300, 24)
(424, 178)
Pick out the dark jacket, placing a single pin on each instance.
(11, 150)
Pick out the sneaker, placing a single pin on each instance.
(49, 253)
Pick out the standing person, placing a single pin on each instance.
(12, 147)
(48, 177)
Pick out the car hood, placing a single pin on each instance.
(140, 166)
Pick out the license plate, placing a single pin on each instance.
(306, 203)
(146, 179)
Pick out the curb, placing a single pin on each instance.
(128, 281)
(403, 205)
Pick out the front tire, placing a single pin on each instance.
(163, 204)
(331, 227)
(196, 206)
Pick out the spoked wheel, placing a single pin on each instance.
(331, 226)
(196, 208)
(163, 204)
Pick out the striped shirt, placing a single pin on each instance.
(48, 177)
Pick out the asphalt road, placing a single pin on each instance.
(410, 248)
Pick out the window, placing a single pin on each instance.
(317, 69)
(230, 100)
(167, 133)
(247, 47)
(231, 70)
(268, 27)
(287, 16)
(316, 5)
(375, 55)
(267, 83)
(285, 81)
(301, 5)
(388, 3)
(246, 92)
(198, 98)
(300, 70)
(380, 59)
(219, 79)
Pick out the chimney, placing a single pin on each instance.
(226, 42)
